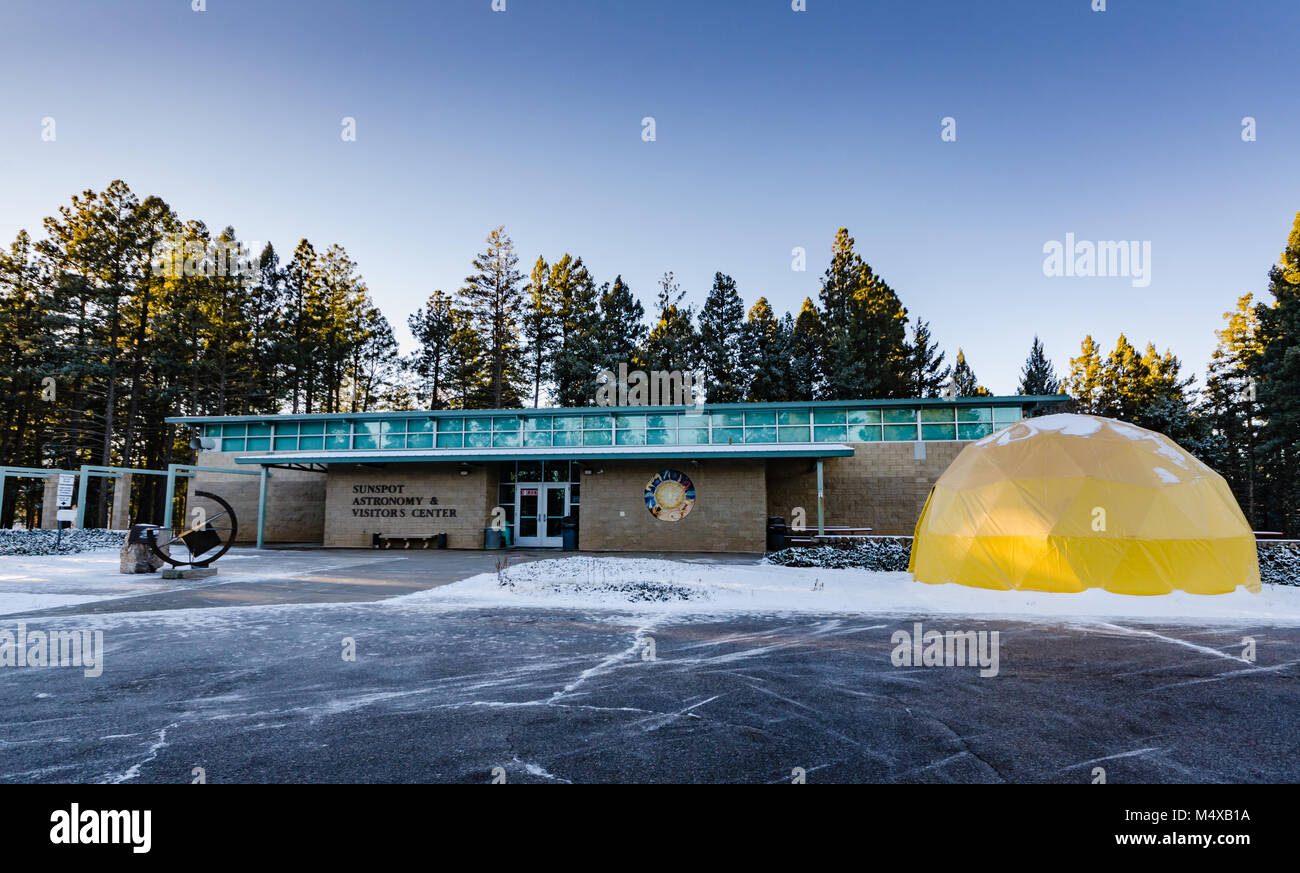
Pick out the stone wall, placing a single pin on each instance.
(883, 486)
(729, 514)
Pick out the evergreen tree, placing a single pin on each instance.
(765, 352)
(1038, 376)
(721, 322)
(673, 343)
(1085, 385)
(432, 326)
(865, 351)
(541, 327)
(493, 299)
(926, 374)
(579, 355)
(1278, 389)
(807, 341)
(963, 379)
(622, 326)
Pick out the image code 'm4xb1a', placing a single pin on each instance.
(1070, 502)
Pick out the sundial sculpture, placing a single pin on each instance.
(204, 544)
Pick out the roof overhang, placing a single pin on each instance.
(558, 453)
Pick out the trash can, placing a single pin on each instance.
(442, 540)
(775, 533)
(492, 539)
(569, 533)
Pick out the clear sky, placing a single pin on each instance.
(774, 128)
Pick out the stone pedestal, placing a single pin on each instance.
(139, 558)
(50, 504)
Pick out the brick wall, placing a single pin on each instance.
(729, 513)
(882, 486)
(295, 499)
(471, 498)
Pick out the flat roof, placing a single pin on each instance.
(1032, 400)
(574, 453)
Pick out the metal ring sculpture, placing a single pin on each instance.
(198, 542)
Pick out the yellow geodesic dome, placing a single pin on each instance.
(1069, 502)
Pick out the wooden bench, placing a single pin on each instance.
(833, 536)
(406, 541)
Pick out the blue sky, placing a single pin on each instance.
(774, 128)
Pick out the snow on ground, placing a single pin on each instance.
(686, 587)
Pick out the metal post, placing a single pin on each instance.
(261, 507)
(83, 479)
(170, 496)
(4, 474)
(821, 501)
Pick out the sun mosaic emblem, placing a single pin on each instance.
(670, 495)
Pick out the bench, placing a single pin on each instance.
(834, 536)
(407, 541)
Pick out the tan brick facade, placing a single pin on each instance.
(729, 513)
(883, 486)
(295, 499)
(462, 511)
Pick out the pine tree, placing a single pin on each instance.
(493, 299)
(865, 353)
(1038, 376)
(765, 354)
(622, 326)
(432, 326)
(721, 321)
(1085, 385)
(579, 355)
(807, 341)
(1229, 405)
(963, 379)
(1278, 388)
(541, 327)
(926, 374)
(673, 343)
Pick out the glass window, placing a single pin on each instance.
(394, 440)
(597, 422)
(575, 493)
(898, 416)
(864, 416)
(1003, 414)
(451, 441)
(371, 427)
(505, 440)
(794, 434)
(634, 422)
(828, 416)
(259, 444)
(692, 419)
(661, 421)
(693, 436)
(286, 428)
(864, 433)
(728, 419)
(974, 413)
(761, 419)
(505, 494)
(660, 437)
(478, 425)
(938, 431)
(365, 442)
(833, 434)
(212, 430)
(974, 431)
(568, 437)
(286, 444)
(537, 438)
(478, 440)
(568, 422)
(338, 427)
(312, 427)
(556, 471)
(413, 441)
(760, 434)
(597, 438)
(450, 425)
(900, 432)
(229, 445)
(417, 425)
(537, 422)
(727, 436)
(311, 443)
(937, 414)
(234, 430)
(259, 430)
(336, 442)
(529, 471)
(792, 416)
(398, 426)
(505, 424)
(630, 437)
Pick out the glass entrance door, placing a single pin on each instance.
(542, 507)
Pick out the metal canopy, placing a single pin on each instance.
(574, 453)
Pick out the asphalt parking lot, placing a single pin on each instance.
(262, 693)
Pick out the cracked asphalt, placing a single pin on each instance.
(263, 694)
